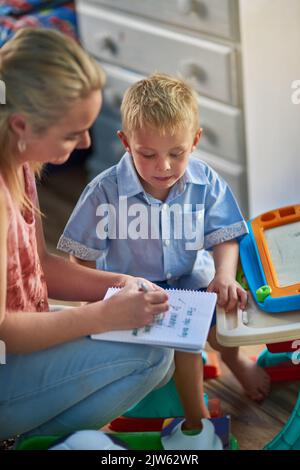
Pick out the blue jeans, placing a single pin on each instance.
(82, 384)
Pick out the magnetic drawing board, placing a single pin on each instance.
(270, 256)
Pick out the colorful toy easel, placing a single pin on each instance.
(270, 257)
(271, 268)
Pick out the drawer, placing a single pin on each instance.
(118, 80)
(222, 125)
(233, 174)
(217, 17)
(223, 130)
(121, 40)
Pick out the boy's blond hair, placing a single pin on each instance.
(162, 102)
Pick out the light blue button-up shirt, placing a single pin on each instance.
(126, 230)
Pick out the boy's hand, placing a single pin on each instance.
(229, 291)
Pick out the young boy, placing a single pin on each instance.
(155, 177)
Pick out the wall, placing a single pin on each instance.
(270, 36)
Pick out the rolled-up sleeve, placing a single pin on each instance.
(81, 236)
(223, 218)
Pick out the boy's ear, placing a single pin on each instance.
(197, 138)
(124, 140)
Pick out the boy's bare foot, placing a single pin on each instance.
(254, 380)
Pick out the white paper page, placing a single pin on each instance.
(185, 325)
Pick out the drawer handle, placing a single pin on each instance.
(108, 44)
(192, 71)
(186, 7)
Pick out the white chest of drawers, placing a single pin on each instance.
(198, 40)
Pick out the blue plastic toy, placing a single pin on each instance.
(289, 436)
(271, 293)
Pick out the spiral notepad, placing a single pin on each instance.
(184, 327)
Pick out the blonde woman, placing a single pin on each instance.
(56, 379)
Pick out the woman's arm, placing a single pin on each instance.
(33, 331)
(87, 264)
(70, 281)
(25, 332)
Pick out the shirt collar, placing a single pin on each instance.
(195, 173)
(128, 180)
(130, 185)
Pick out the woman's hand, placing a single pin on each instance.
(230, 292)
(129, 280)
(130, 308)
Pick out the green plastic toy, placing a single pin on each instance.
(133, 440)
(161, 403)
(262, 293)
(240, 277)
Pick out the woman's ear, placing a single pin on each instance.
(124, 140)
(18, 125)
(197, 138)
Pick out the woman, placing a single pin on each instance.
(56, 379)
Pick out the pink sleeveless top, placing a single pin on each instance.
(26, 286)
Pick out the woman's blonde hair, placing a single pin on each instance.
(44, 73)
(162, 102)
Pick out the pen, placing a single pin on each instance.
(143, 286)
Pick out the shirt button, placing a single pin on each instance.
(169, 275)
(164, 207)
(166, 242)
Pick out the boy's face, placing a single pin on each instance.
(160, 160)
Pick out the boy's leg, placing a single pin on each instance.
(252, 377)
(188, 377)
(82, 384)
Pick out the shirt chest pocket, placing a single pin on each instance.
(193, 230)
